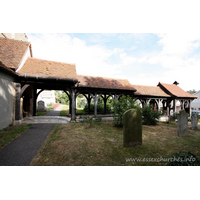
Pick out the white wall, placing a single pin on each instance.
(47, 96)
(195, 105)
(7, 93)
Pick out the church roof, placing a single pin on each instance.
(39, 68)
(106, 83)
(143, 90)
(12, 52)
(3, 67)
(175, 90)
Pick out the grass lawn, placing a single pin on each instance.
(74, 144)
(64, 111)
(10, 133)
(40, 113)
(80, 110)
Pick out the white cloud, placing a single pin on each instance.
(89, 60)
(176, 58)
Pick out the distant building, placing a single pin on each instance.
(47, 96)
(15, 36)
(195, 105)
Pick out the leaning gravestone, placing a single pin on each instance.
(182, 124)
(194, 121)
(132, 128)
(41, 106)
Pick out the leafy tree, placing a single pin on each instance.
(58, 96)
(192, 91)
(61, 97)
(121, 106)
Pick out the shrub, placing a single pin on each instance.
(98, 119)
(174, 116)
(120, 107)
(100, 108)
(185, 158)
(50, 106)
(108, 107)
(150, 116)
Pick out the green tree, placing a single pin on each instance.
(121, 106)
(64, 98)
(192, 91)
(58, 96)
(61, 97)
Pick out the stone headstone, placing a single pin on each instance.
(41, 106)
(194, 121)
(182, 123)
(132, 128)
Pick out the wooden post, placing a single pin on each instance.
(105, 100)
(34, 101)
(174, 106)
(73, 105)
(17, 102)
(89, 100)
(95, 105)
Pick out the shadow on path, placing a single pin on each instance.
(24, 148)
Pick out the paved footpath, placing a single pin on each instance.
(51, 117)
(24, 148)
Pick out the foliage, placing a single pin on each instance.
(81, 102)
(50, 106)
(98, 119)
(62, 97)
(58, 95)
(150, 116)
(174, 116)
(185, 158)
(120, 107)
(192, 91)
(100, 108)
(89, 120)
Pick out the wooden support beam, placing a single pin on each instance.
(73, 105)
(18, 102)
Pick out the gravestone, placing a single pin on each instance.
(194, 121)
(41, 106)
(182, 123)
(132, 128)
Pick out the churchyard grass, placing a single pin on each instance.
(10, 133)
(74, 144)
(64, 111)
(42, 113)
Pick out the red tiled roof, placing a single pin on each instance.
(106, 83)
(12, 52)
(6, 68)
(149, 91)
(176, 90)
(35, 67)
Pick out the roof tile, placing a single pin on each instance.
(48, 69)
(150, 91)
(106, 83)
(176, 90)
(12, 52)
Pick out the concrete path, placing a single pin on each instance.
(53, 116)
(24, 148)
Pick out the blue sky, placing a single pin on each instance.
(144, 59)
